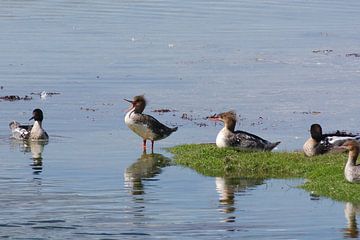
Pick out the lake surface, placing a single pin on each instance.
(282, 65)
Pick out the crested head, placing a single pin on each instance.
(229, 119)
(227, 115)
(37, 115)
(316, 132)
(138, 103)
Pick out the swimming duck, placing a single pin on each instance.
(30, 132)
(228, 137)
(320, 143)
(144, 125)
(352, 171)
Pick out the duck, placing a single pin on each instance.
(146, 126)
(30, 132)
(320, 143)
(352, 171)
(228, 137)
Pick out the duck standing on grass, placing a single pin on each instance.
(30, 132)
(352, 171)
(144, 125)
(320, 143)
(228, 137)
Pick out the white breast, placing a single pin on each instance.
(37, 132)
(221, 138)
(140, 129)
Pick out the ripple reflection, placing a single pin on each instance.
(351, 210)
(227, 188)
(144, 169)
(36, 149)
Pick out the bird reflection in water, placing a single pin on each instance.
(144, 169)
(351, 210)
(36, 148)
(228, 187)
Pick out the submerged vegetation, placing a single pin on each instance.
(323, 174)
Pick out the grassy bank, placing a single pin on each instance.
(324, 174)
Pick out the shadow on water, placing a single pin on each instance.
(144, 169)
(36, 149)
(351, 210)
(229, 187)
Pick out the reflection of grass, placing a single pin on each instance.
(324, 173)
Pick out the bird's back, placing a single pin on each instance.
(247, 140)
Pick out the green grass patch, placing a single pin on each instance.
(324, 174)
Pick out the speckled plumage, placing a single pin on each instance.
(228, 137)
(146, 126)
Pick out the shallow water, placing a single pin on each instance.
(194, 57)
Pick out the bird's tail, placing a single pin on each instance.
(271, 146)
(174, 129)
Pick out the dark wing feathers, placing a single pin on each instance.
(156, 127)
(247, 140)
(323, 147)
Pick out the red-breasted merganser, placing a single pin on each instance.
(320, 143)
(30, 132)
(144, 125)
(228, 137)
(352, 171)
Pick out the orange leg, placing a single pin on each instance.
(144, 144)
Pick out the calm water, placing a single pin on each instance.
(265, 59)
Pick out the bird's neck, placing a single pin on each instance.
(230, 125)
(37, 125)
(353, 155)
(139, 108)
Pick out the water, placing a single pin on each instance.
(196, 57)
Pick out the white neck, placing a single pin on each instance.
(36, 131)
(37, 125)
(128, 119)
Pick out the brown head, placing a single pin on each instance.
(138, 102)
(351, 146)
(228, 118)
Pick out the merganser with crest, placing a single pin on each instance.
(352, 171)
(30, 132)
(320, 143)
(144, 125)
(228, 137)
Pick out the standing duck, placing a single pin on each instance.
(320, 143)
(144, 125)
(30, 132)
(352, 171)
(228, 137)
